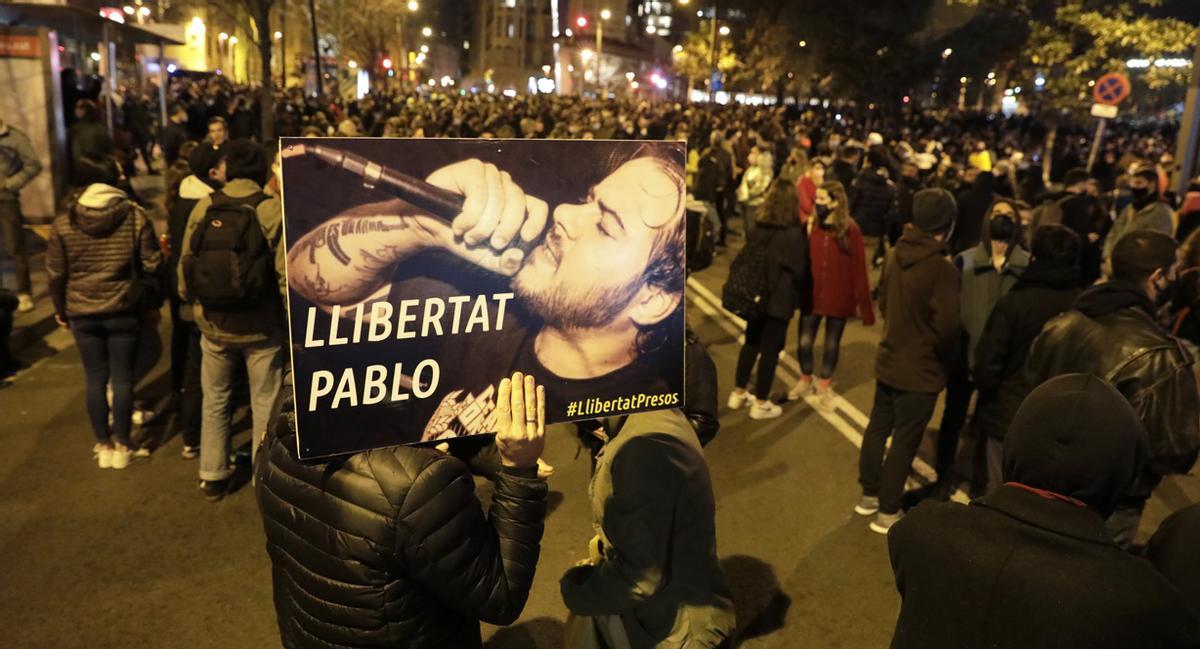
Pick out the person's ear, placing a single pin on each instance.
(652, 305)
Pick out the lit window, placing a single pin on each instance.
(512, 30)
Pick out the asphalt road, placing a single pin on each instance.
(137, 558)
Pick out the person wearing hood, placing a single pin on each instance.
(1111, 332)
(1145, 212)
(1077, 209)
(1047, 288)
(974, 201)
(873, 204)
(1031, 566)
(652, 578)
(99, 259)
(920, 298)
(208, 175)
(989, 271)
(1189, 212)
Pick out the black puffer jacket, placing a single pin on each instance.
(92, 252)
(390, 547)
(1111, 333)
(873, 201)
(787, 266)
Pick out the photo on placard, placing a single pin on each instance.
(422, 272)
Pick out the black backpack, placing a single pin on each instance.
(744, 293)
(232, 265)
(701, 241)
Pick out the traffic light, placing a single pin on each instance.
(581, 22)
(387, 64)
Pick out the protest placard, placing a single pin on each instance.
(421, 272)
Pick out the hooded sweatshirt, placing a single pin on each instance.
(919, 299)
(1031, 566)
(97, 251)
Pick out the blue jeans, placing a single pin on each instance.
(108, 345)
(218, 364)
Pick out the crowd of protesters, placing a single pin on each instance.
(1059, 312)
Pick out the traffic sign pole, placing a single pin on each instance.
(1187, 143)
(1096, 143)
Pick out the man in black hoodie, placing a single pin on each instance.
(1047, 288)
(1111, 332)
(919, 297)
(1032, 566)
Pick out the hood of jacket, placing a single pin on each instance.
(1112, 296)
(1051, 274)
(192, 188)
(100, 209)
(915, 246)
(1076, 436)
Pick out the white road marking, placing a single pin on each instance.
(735, 326)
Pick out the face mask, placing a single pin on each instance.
(822, 212)
(1001, 228)
(1141, 196)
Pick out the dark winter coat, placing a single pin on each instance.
(1172, 550)
(1044, 291)
(1032, 566)
(973, 204)
(873, 201)
(391, 547)
(983, 285)
(919, 297)
(840, 288)
(19, 163)
(102, 256)
(191, 190)
(1015, 570)
(844, 172)
(90, 140)
(787, 265)
(1111, 333)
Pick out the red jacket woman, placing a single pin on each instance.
(839, 277)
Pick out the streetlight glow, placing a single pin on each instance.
(650, 29)
(581, 21)
(629, 76)
(724, 30)
(424, 49)
(962, 79)
(233, 40)
(352, 64)
(129, 10)
(677, 49)
(803, 43)
(144, 11)
(605, 14)
(223, 36)
(387, 64)
(278, 35)
(947, 52)
(427, 32)
(586, 55)
(413, 5)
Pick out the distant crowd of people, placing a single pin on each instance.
(1058, 312)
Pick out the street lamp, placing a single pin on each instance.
(605, 14)
(947, 52)
(724, 30)
(413, 5)
(223, 36)
(424, 49)
(426, 32)
(352, 64)
(803, 43)
(278, 35)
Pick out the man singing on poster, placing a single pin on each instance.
(598, 285)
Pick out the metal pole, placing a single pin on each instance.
(712, 46)
(1187, 143)
(162, 84)
(312, 12)
(1096, 143)
(599, 50)
(283, 46)
(110, 67)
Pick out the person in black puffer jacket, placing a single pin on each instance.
(873, 204)
(390, 547)
(786, 244)
(1111, 332)
(99, 259)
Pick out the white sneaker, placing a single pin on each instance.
(765, 409)
(120, 457)
(24, 302)
(884, 522)
(799, 390)
(104, 457)
(826, 399)
(738, 400)
(867, 506)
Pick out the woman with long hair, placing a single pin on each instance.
(838, 264)
(780, 238)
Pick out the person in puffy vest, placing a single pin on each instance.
(391, 547)
(250, 331)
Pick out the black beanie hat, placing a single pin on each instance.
(1077, 436)
(245, 159)
(934, 210)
